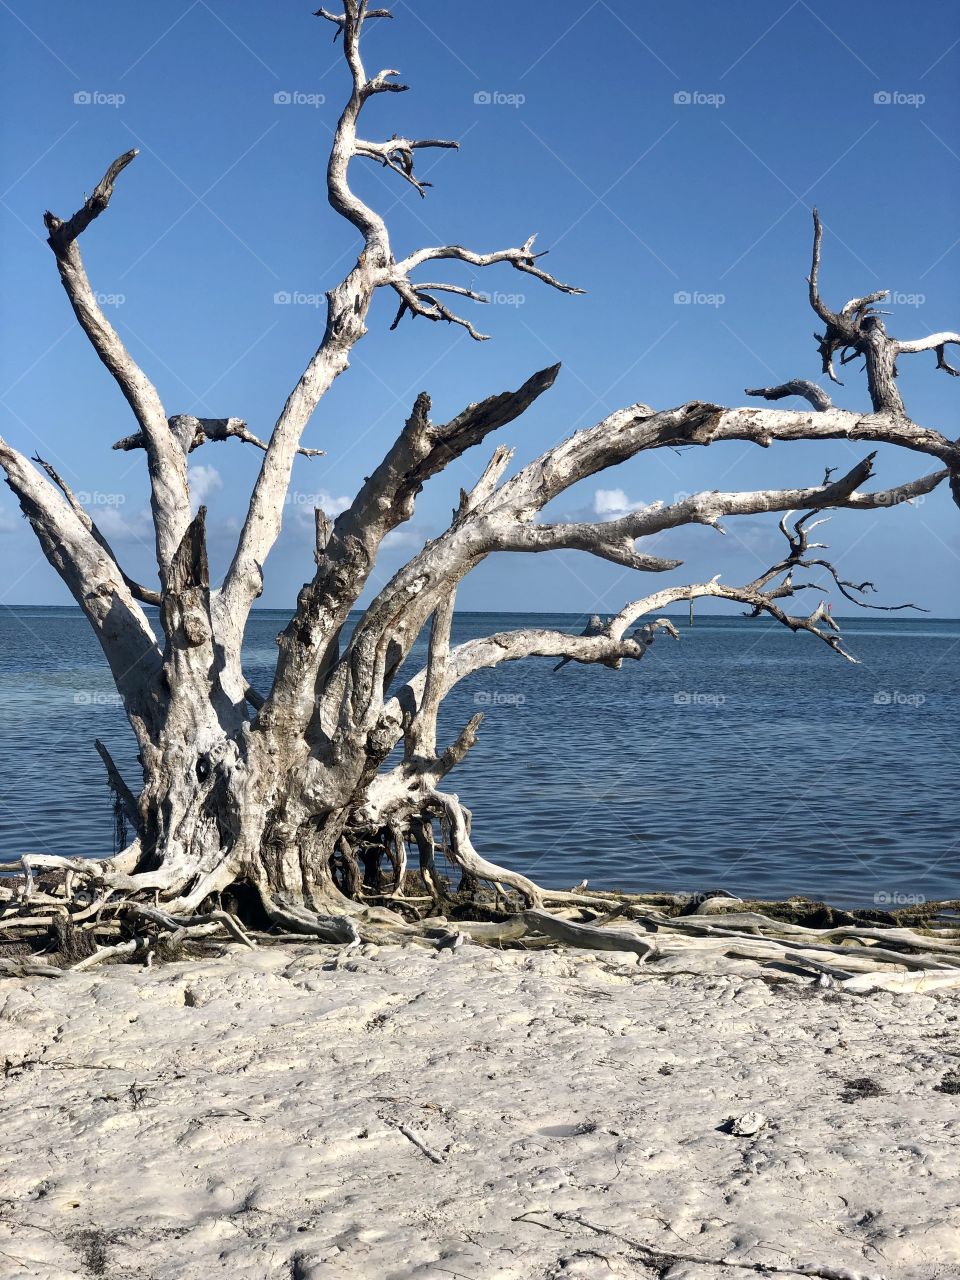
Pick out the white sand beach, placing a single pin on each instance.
(479, 1114)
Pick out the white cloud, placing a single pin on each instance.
(612, 504)
(331, 505)
(304, 505)
(609, 502)
(204, 480)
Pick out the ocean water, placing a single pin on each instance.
(740, 757)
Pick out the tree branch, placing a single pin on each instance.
(347, 307)
(795, 387)
(422, 737)
(502, 520)
(397, 154)
(192, 432)
(385, 501)
(168, 472)
(144, 594)
(521, 259)
(935, 342)
(858, 330)
(93, 579)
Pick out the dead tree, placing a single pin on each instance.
(279, 790)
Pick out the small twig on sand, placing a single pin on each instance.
(412, 1137)
(660, 1258)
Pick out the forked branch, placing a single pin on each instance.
(858, 330)
(192, 432)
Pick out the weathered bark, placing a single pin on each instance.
(279, 796)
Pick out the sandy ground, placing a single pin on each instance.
(467, 1114)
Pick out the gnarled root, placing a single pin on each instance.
(295, 919)
(465, 855)
(89, 909)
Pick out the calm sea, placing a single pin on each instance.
(741, 757)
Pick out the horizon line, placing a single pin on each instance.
(543, 613)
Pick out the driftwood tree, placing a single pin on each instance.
(288, 790)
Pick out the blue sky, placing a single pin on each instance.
(639, 196)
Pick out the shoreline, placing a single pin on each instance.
(400, 1112)
(897, 908)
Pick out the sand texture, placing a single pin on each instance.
(481, 1114)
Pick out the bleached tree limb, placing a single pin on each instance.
(465, 855)
(347, 306)
(192, 432)
(397, 155)
(93, 579)
(168, 470)
(173, 924)
(416, 300)
(102, 954)
(385, 501)
(608, 644)
(144, 594)
(522, 259)
(937, 342)
(800, 547)
(340, 19)
(795, 387)
(858, 330)
(503, 520)
(709, 508)
(422, 737)
(585, 936)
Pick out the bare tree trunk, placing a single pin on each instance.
(285, 792)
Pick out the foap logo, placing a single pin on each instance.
(497, 98)
(696, 98)
(894, 698)
(297, 298)
(110, 299)
(98, 499)
(908, 299)
(696, 298)
(296, 98)
(503, 299)
(893, 499)
(97, 698)
(896, 98)
(896, 898)
(489, 698)
(97, 98)
(311, 500)
(693, 699)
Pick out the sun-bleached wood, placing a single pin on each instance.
(288, 789)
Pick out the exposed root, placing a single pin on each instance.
(185, 925)
(27, 968)
(294, 919)
(110, 953)
(466, 857)
(582, 935)
(81, 914)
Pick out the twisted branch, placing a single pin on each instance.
(192, 432)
